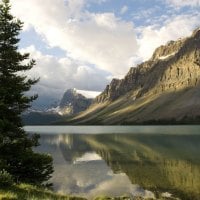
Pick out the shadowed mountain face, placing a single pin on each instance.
(164, 88)
(73, 102)
(159, 164)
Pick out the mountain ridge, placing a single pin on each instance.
(138, 77)
(73, 102)
(147, 92)
(70, 104)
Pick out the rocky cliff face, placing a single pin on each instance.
(166, 88)
(173, 66)
(73, 102)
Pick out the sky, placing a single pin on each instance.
(83, 44)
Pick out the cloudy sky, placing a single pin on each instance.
(83, 44)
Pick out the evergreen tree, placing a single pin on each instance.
(16, 154)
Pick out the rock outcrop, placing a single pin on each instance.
(164, 89)
(72, 102)
(173, 66)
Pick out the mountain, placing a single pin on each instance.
(164, 89)
(44, 102)
(153, 161)
(71, 103)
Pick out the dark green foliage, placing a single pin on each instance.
(35, 165)
(5, 179)
(27, 191)
(16, 154)
(37, 118)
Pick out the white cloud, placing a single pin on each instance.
(141, 13)
(58, 74)
(181, 3)
(93, 41)
(174, 28)
(88, 94)
(124, 9)
(87, 157)
(101, 39)
(117, 185)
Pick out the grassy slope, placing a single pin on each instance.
(168, 106)
(29, 192)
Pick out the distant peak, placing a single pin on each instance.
(73, 102)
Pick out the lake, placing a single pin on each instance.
(146, 161)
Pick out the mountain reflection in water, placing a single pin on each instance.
(148, 165)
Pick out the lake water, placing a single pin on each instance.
(147, 161)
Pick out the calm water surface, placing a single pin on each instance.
(147, 161)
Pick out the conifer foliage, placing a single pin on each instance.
(16, 154)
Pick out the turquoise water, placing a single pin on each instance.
(147, 161)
